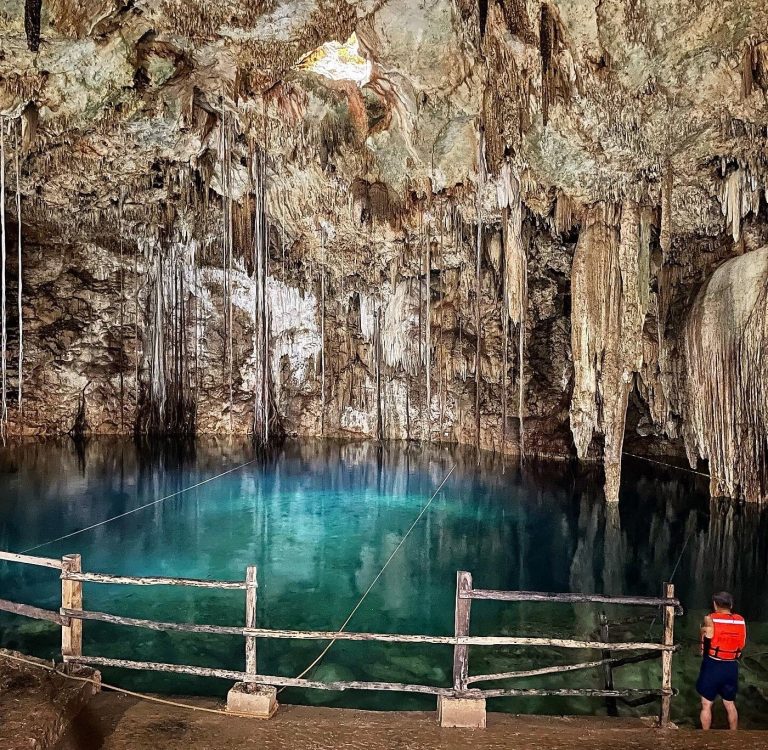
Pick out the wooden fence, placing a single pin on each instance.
(72, 614)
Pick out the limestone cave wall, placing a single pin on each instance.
(535, 227)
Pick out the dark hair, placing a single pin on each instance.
(723, 599)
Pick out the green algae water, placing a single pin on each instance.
(320, 519)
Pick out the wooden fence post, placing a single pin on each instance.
(668, 639)
(71, 598)
(251, 588)
(461, 628)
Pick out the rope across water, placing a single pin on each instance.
(140, 507)
(380, 573)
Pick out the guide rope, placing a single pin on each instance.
(670, 466)
(672, 576)
(107, 686)
(373, 582)
(140, 507)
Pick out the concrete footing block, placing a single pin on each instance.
(259, 701)
(461, 711)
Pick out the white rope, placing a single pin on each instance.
(670, 466)
(373, 582)
(141, 507)
(106, 686)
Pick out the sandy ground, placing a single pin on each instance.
(36, 706)
(114, 722)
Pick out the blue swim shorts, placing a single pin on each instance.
(718, 678)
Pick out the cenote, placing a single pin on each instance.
(320, 518)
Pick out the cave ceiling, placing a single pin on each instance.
(596, 100)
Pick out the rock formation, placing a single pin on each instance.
(533, 226)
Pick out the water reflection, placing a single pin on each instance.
(321, 518)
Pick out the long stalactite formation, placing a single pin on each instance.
(726, 346)
(508, 225)
(3, 290)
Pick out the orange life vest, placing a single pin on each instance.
(729, 637)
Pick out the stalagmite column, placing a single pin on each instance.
(726, 347)
(609, 286)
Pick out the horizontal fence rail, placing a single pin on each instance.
(227, 674)
(330, 635)
(543, 596)
(34, 613)
(72, 615)
(277, 681)
(152, 581)
(44, 562)
(614, 662)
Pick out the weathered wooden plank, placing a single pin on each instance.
(625, 660)
(543, 596)
(555, 669)
(666, 657)
(612, 662)
(461, 628)
(27, 610)
(329, 635)
(567, 692)
(250, 618)
(44, 562)
(235, 676)
(492, 640)
(258, 632)
(151, 581)
(71, 598)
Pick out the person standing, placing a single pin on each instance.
(723, 635)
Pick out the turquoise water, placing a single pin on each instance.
(319, 519)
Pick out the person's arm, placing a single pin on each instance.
(707, 631)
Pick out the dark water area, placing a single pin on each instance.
(320, 519)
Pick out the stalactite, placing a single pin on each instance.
(322, 333)
(740, 195)
(515, 280)
(609, 287)
(478, 261)
(266, 425)
(377, 358)
(136, 355)
(504, 331)
(428, 337)
(157, 363)
(120, 230)
(665, 234)
(726, 349)
(3, 313)
(19, 281)
(225, 162)
(165, 406)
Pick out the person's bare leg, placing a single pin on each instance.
(733, 714)
(706, 713)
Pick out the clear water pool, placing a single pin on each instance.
(321, 518)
